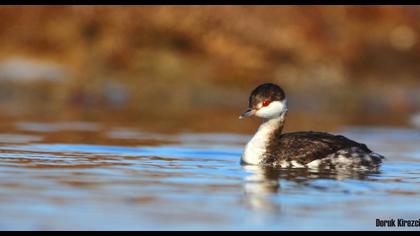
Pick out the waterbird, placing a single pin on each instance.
(310, 149)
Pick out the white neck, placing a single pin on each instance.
(256, 147)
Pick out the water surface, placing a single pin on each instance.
(92, 176)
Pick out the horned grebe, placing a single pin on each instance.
(270, 146)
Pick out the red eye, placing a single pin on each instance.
(266, 103)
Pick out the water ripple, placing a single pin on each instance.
(196, 182)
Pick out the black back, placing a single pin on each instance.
(304, 147)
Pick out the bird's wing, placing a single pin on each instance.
(304, 147)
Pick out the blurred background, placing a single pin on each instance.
(180, 68)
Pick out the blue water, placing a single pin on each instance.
(87, 176)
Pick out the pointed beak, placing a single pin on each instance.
(247, 113)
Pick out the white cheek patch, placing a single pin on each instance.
(273, 110)
(259, 105)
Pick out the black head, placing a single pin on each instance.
(265, 92)
(266, 101)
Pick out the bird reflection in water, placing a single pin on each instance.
(263, 183)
